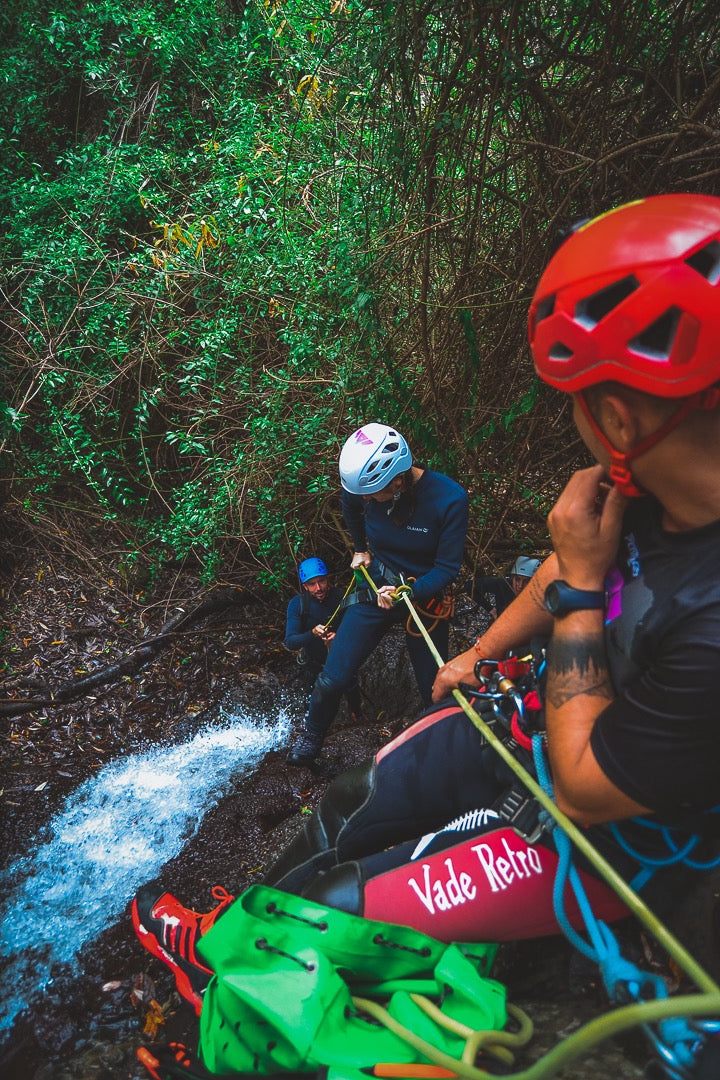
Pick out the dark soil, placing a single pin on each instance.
(66, 614)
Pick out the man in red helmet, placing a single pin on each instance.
(625, 318)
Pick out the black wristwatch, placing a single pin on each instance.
(561, 599)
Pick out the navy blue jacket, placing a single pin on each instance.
(429, 546)
(299, 622)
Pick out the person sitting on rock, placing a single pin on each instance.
(494, 594)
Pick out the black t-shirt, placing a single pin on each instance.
(659, 741)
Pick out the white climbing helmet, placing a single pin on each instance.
(524, 567)
(373, 456)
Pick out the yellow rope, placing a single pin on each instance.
(567, 1051)
(344, 598)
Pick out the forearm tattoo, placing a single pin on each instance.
(537, 593)
(577, 666)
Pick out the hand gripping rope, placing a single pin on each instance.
(676, 1042)
(435, 610)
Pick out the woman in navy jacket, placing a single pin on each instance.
(406, 522)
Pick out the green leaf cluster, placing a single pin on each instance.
(233, 231)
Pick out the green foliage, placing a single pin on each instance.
(234, 231)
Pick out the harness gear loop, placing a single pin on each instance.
(437, 608)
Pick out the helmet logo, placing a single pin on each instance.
(361, 437)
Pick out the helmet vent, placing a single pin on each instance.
(593, 308)
(707, 262)
(544, 309)
(390, 448)
(558, 351)
(657, 340)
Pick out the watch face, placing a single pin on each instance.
(552, 598)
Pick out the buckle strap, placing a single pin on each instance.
(521, 810)
(390, 576)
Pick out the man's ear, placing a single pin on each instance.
(620, 421)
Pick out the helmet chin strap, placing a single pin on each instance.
(619, 471)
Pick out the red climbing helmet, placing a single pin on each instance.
(634, 296)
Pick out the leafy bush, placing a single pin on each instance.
(232, 232)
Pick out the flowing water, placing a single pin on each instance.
(113, 833)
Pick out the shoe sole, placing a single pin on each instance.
(150, 942)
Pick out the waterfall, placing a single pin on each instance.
(112, 834)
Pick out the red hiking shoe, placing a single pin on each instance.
(170, 932)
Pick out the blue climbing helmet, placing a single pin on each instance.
(311, 568)
(373, 456)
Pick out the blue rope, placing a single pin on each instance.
(677, 854)
(674, 1040)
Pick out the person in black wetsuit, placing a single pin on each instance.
(494, 594)
(626, 319)
(307, 632)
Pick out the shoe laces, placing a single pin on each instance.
(226, 898)
(220, 893)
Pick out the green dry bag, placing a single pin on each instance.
(288, 974)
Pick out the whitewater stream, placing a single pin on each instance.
(112, 834)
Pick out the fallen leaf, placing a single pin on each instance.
(154, 1020)
(114, 985)
(42, 786)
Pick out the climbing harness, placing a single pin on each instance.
(435, 610)
(514, 712)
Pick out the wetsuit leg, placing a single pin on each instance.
(492, 886)
(361, 629)
(437, 768)
(314, 847)
(423, 662)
